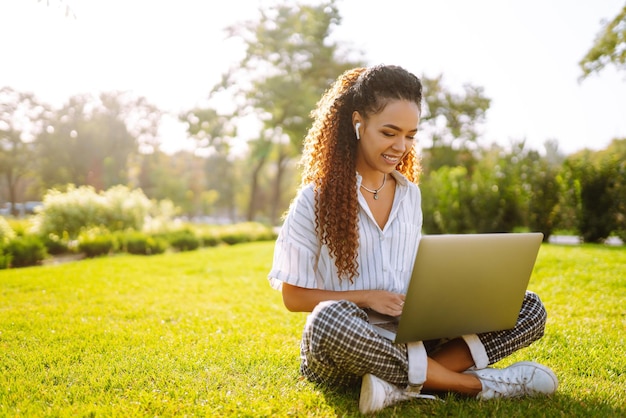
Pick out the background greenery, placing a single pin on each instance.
(202, 333)
(290, 58)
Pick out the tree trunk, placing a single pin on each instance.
(281, 164)
(252, 206)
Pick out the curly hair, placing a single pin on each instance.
(329, 154)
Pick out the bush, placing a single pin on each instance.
(96, 242)
(55, 245)
(6, 232)
(209, 238)
(183, 240)
(125, 208)
(592, 184)
(26, 251)
(117, 209)
(245, 232)
(143, 244)
(20, 226)
(70, 212)
(5, 259)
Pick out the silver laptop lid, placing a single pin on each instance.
(467, 284)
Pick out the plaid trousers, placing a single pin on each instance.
(339, 345)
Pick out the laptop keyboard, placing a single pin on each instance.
(389, 326)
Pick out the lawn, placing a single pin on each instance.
(201, 333)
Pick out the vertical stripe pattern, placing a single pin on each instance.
(385, 256)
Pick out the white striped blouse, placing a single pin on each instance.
(385, 256)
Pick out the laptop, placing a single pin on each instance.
(463, 284)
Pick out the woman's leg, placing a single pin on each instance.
(446, 365)
(339, 346)
(529, 328)
(440, 378)
(491, 347)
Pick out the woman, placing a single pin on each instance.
(347, 247)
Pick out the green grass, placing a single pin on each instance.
(202, 334)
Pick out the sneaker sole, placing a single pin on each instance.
(366, 392)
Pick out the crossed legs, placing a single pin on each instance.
(339, 346)
(445, 367)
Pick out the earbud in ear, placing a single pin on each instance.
(356, 129)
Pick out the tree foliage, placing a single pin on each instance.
(596, 180)
(21, 120)
(504, 190)
(290, 59)
(609, 47)
(92, 140)
(451, 124)
(289, 62)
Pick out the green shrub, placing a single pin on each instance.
(96, 242)
(245, 232)
(5, 259)
(209, 238)
(143, 244)
(21, 226)
(71, 211)
(183, 240)
(125, 208)
(56, 245)
(26, 251)
(592, 183)
(6, 232)
(117, 209)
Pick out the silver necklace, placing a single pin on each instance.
(377, 190)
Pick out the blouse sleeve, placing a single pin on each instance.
(297, 246)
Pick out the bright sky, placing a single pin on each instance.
(525, 54)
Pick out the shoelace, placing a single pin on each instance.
(502, 384)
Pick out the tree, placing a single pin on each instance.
(609, 47)
(86, 143)
(21, 120)
(214, 132)
(289, 62)
(92, 140)
(592, 177)
(452, 122)
(543, 204)
(615, 157)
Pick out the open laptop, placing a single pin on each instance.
(463, 284)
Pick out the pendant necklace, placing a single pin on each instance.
(375, 192)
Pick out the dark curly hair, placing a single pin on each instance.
(329, 155)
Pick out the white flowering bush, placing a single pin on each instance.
(116, 209)
(66, 213)
(6, 232)
(125, 208)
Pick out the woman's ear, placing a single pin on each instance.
(356, 122)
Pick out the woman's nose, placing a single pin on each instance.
(400, 144)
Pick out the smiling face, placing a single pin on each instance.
(386, 137)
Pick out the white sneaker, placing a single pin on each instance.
(525, 378)
(377, 394)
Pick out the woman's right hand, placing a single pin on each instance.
(384, 302)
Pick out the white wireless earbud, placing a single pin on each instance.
(356, 129)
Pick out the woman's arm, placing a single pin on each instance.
(300, 299)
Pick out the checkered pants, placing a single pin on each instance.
(339, 345)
